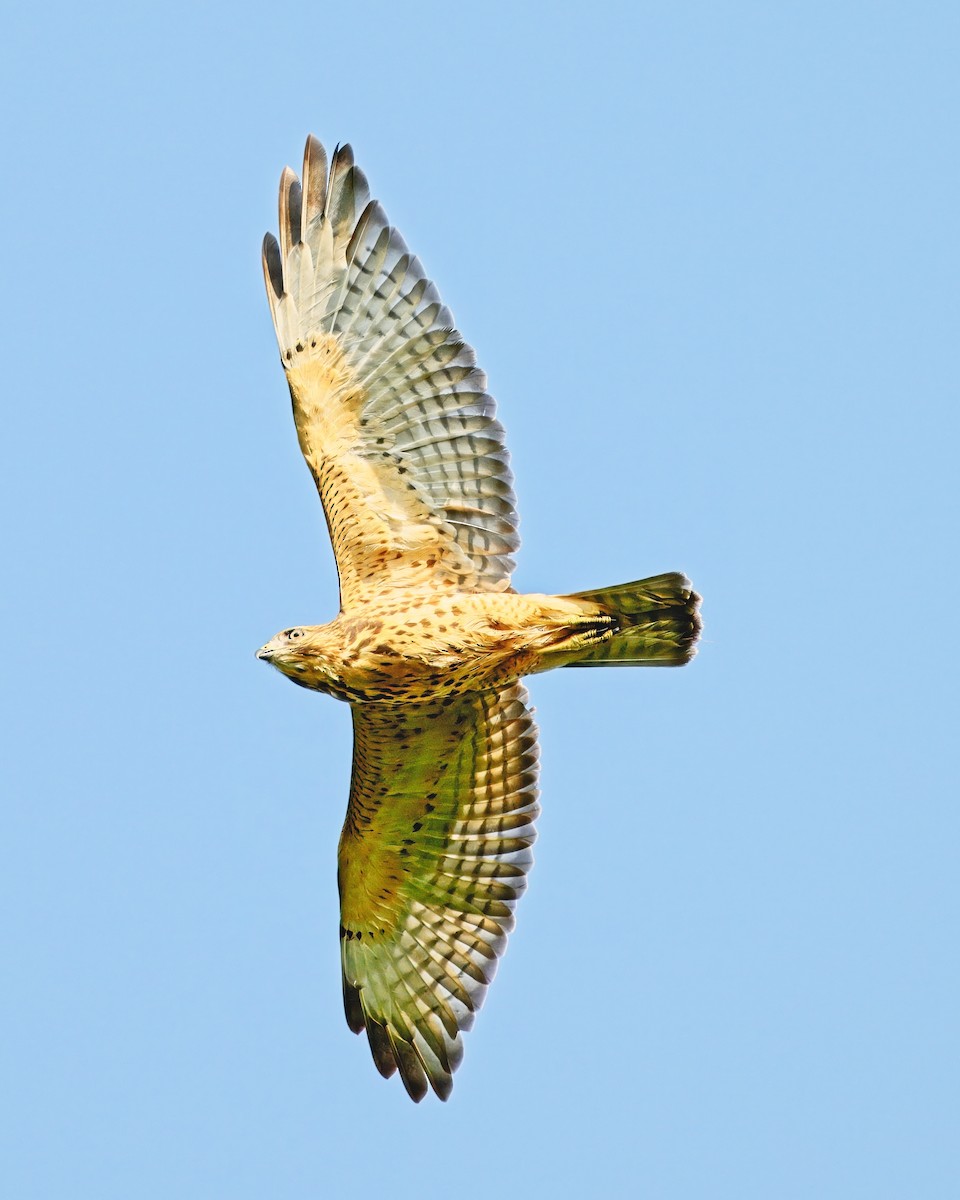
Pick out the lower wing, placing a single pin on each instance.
(433, 857)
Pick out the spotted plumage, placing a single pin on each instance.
(431, 641)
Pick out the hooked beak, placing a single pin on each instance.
(265, 653)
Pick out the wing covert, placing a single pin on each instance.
(391, 410)
(433, 857)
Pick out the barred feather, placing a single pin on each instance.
(659, 623)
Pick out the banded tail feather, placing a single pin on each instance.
(659, 621)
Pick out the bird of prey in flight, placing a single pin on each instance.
(431, 641)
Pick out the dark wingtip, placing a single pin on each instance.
(352, 1008)
(272, 264)
(380, 1047)
(314, 185)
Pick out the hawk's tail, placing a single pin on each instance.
(659, 623)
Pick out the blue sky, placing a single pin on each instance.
(708, 255)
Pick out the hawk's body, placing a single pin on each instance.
(431, 641)
(428, 646)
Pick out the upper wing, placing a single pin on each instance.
(433, 856)
(392, 413)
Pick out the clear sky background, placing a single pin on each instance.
(708, 256)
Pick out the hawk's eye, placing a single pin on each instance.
(294, 633)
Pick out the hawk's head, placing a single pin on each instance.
(297, 654)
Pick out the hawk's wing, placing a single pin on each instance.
(392, 413)
(433, 856)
